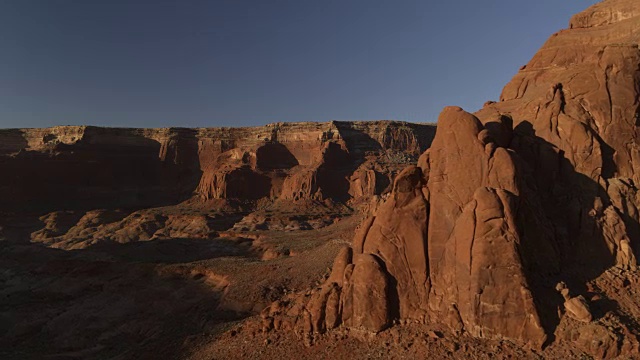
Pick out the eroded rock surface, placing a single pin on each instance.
(87, 167)
(537, 187)
(443, 246)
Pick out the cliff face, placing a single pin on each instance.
(88, 167)
(575, 108)
(534, 190)
(85, 167)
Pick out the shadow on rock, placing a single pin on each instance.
(578, 235)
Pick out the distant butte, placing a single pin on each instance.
(92, 167)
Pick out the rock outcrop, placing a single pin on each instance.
(445, 245)
(537, 187)
(576, 307)
(575, 107)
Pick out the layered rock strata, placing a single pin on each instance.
(90, 168)
(445, 245)
(537, 188)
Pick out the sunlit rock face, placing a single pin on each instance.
(90, 167)
(537, 188)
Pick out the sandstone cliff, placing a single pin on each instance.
(89, 167)
(535, 189)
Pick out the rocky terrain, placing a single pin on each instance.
(88, 167)
(120, 242)
(512, 233)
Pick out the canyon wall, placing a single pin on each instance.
(85, 167)
(535, 190)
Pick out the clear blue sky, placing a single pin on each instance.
(192, 63)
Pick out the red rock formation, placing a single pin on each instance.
(443, 246)
(576, 109)
(469, 236)
(89, 167)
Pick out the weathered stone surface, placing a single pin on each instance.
(578, 308)
(576, 101)
(537, 186)
(398, 237)
(368, 295)
(445, 245)
(493, 297)
(605, 13)
(343, 259)
(599, 341)
(88, 167)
